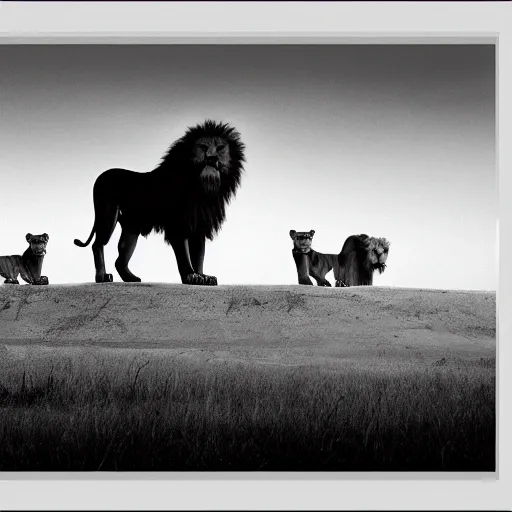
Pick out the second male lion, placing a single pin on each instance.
(360, 257)
(184, 198)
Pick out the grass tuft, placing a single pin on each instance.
(95, 411)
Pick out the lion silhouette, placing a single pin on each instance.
(184, 198)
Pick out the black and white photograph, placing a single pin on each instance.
(248, 258)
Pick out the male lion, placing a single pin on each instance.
(360, 256)
(28, 265)
(184, 198)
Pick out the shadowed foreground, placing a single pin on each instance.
(168, 377)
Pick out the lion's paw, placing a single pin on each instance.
(209, 280)
(43, 280)
(200, 280)
(196, 279)
(105, 278)
(11, 281)
(340, 284)
(326, 283)
(125, 274)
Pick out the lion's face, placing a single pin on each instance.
(38, 243)
(211, 155)
(378, 254)
(302, 240)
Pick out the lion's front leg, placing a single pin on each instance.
(196, 246)
(302, 264)
(187, 272)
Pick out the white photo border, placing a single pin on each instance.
(286, 23)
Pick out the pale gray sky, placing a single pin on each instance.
(392, 141)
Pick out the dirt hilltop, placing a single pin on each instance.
(281, 325)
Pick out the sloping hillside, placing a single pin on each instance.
(285, 325)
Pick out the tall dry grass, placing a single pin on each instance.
(88, 412)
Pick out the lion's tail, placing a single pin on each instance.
(82, 244)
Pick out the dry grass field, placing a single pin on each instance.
(154, 377)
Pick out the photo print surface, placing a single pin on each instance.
(314, 231)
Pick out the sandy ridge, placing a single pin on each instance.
(272, 324)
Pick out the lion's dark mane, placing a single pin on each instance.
(356, 270)
(181, 203)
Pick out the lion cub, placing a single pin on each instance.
(28, 265)
(310, 262)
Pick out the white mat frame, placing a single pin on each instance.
(285, 22)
